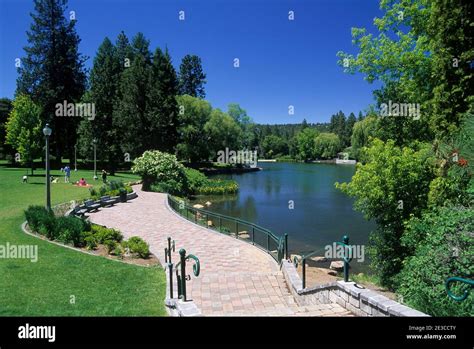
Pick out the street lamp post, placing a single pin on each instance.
(75, 157)
(95, 158)
(47, 133)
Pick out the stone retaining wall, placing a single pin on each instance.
(357, 299)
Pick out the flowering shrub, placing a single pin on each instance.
(156, 167)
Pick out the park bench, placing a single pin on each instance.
(79, 210)
(107, 200)
(92, 205)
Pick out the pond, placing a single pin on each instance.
(299, 199)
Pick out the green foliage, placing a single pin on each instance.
(24, 129)
(69, 230)
(246, 124)
(138, 246)
(222, 132)
(52, 70)
(194, 113)
(160, 168)
(103, 234)
(195, 179)
(274, 146)
(361, 133)
(90, 240)
(219, 187)
(305, 143)
(443, 246)
(390, 188)
(192, 77)
(326, 146)
(111, 188)
(41, 221)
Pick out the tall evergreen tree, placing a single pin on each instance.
(192, 77)
(162, 107)
(53, 70)
(130, 113)
(6, 150)
(104, 79)
(350, 122)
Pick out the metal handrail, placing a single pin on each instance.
(346, 259)
(465, 294)
(281, 242)
(183, 277)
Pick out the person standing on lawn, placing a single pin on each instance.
(67, 174)
(104, 176)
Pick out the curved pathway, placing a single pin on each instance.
(236, 278)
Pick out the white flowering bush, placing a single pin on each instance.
(161, 170)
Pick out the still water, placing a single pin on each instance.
(298, 199)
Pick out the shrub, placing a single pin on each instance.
(443, 247)
(219, 187)
(156, 167)
(70, 230)
(103, 234)
(111, 245)
(195, 180)
(41, 221)
(90, 240)
(136, 245)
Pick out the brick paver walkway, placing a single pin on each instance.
(236, 278)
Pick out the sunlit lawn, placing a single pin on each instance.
(99, 286)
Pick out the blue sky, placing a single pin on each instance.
(282, 62)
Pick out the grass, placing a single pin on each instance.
(99, 287)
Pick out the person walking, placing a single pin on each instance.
(104, 176)
(67, 174)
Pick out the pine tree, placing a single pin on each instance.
(192, 77)
(103, 89)
(162, 107)
(53, 70)
(130, 114)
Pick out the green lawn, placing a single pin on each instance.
(100, 286)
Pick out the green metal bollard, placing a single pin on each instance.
(170, 268)
(182, 254)
(345, 241)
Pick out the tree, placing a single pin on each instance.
(326, 146)
(130, 109)
(223, 132)
(104, 79)
(24, 129)
(194, 113)
(274, 146)
(390, 188)
(191, 77)
(305, 140)
(337, 124)
(245, 122)
(162, 108)
(53, 70)
(6, 150)
(361, 133)
(449, 29)
(350, 122)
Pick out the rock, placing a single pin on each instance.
(210, 224)
(198, 206)
(208, 203)
(319, 259)
(337, 265)
(244, 235)
(331, 272)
